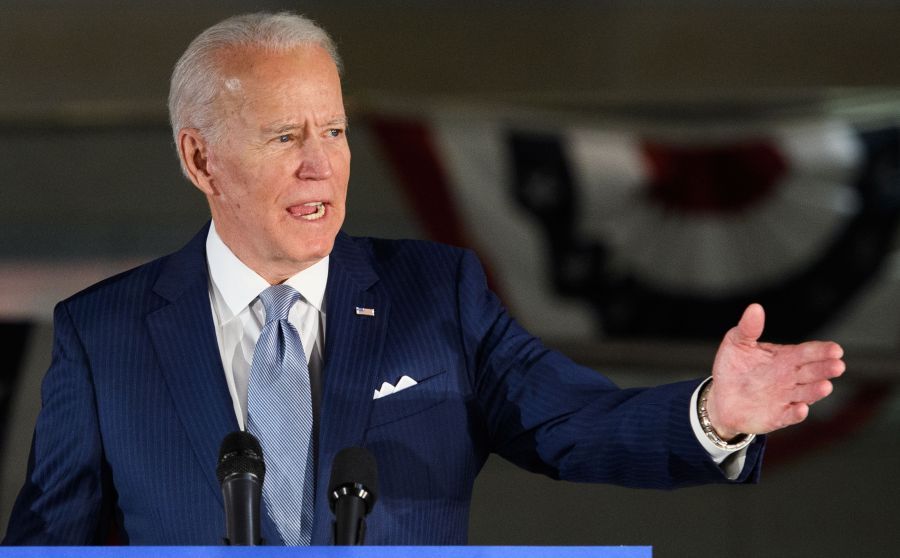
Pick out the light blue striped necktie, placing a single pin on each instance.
(279, 413)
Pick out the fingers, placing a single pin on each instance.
(822, 370)
(792, 414)
(804, 396)
(819, 350)
(813, 360)
(796, 413)
(810, 393)
(750, 327)
(806, 352)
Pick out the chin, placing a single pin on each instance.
(315, 249)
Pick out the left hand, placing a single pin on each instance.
(761, 387)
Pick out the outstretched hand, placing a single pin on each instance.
(760, 387)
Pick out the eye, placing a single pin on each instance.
(335, 132)
(285, 138)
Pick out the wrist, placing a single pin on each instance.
(720, 437)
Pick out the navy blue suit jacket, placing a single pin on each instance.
(135, 404)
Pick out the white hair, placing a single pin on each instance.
(198, 78)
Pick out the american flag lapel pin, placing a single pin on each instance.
(365, 312)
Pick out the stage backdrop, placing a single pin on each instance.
(647, 235)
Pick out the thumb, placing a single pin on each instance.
(750, 328)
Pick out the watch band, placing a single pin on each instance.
(739, 442)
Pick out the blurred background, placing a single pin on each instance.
(632, 174)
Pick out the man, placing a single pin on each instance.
(397, 346)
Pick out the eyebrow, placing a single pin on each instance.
(278, 128)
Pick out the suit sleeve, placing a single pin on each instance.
(552, 416)
(61, 502)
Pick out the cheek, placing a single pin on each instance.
(342, 170)
(244, 186)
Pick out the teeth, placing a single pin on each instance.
(320, 211)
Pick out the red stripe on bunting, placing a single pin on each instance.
(413, 156)
(718, 179)
(411, 151)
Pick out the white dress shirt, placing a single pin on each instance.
(731, 467)
(239, 315)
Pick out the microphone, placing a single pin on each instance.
(240, 472)
(351, 493)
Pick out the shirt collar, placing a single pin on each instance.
(239, 285)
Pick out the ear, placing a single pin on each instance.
(193, 151)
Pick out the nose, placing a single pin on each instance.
(314, 161)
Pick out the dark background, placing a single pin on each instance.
(89, 185)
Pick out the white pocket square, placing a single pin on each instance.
(388, 389)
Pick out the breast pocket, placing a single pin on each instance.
(428, 392)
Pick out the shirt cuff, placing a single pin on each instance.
(730, 461)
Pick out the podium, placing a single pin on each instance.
(330, 552)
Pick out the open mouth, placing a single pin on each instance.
(309, 211)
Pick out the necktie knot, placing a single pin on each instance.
(278, 300)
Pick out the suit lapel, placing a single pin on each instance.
(184, 337)
(353, 347)
(185, 340)
(183, 334)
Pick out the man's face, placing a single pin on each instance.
(277, 177)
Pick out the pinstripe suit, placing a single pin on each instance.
(135, 404)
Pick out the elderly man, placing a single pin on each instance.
(273, 321)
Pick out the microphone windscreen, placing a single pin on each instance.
(355, 466)
(240, 452)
